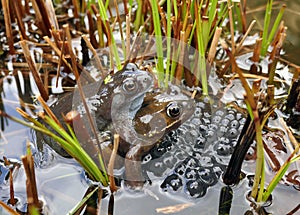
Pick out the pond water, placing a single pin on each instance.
(291, 19)
(62, 182)
(57, 176)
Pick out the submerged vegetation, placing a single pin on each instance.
(184, 39)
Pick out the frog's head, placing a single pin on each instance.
(126, 87)
(133, 82)
(130, 86)
(162, 112)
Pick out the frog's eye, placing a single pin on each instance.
(129, 85)
(173, 110)
(131, 66)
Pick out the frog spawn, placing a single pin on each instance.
(192, 158)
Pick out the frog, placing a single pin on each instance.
(127, 89)
(130, 82)
(161, 112)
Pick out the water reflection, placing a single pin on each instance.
(3, 120)
(13, 135)
(291, 19)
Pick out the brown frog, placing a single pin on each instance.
(128, 86)
(161, 112)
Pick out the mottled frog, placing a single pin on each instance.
(130, 85)
(161, 112)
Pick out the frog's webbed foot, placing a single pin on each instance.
(133, 170)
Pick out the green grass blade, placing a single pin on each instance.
(174, 63)
(102, 10)
(82, 202)
(175, 8)
(296, 158)
(259, 170)
(192, 33)
(262, 182)
(212, 12)
(73, 136)
(115, 52)
(205, 33)
(249, 109)
(138, 16)
(102, 166)
(238, 25)
(158, 38)
(77, 152)
(130, 4)
(69, 144)
(106, 4)
(222, 14)
(201, 73)
(167, 72)
(275, 181)
(33, 210)
(276, 24)
(277, 178)
(267, 19)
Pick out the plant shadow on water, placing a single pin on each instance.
(184, 169)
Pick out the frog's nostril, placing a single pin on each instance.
(146, 80)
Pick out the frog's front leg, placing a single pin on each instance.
(133, 169)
